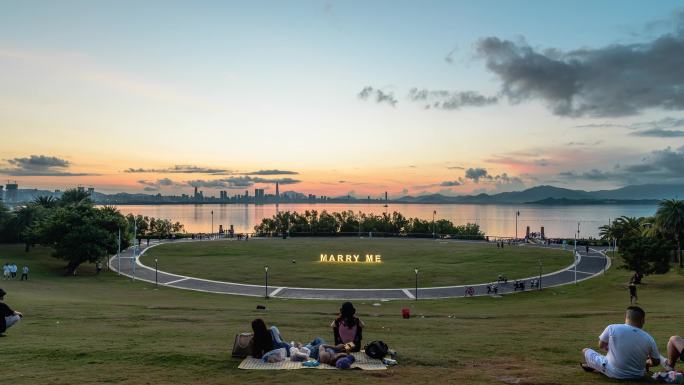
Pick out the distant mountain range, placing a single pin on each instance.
(541, 195)
(644, 194)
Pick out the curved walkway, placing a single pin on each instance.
(589, 265)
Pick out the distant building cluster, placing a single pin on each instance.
(12, 195)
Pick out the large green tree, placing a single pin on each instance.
(646, 255)
(80, 233)
(669, 219)
(27, 222)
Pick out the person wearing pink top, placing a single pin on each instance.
(347, 327)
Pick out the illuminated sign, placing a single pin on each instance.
(351, 258)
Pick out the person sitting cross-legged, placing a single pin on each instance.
(675, 351)
(347, 327)
(8, 317)
(630, 349)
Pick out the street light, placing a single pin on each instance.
(266, 279)
(539, 284)
(156, 272)
(434, 212)
(212, 223)
(118, 252)
(416, 271)
(517, 214)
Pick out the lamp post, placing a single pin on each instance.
(266, 281)
(135, 246)
(156, 272)
(416, 271)
(118, 252)
(539, 284)
(434, 212)
(212, 223)
(517, 214)
(574, 256)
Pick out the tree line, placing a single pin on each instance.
(76, 230)
(312, 222)
(647, 245)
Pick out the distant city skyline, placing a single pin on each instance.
(335, 98)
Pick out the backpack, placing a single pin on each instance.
(241, 346)
(376, 349)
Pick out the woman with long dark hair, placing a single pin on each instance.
(262, 342)
(347, 327)
(266, 339)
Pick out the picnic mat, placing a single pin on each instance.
(362, 362)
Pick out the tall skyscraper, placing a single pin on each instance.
(11, 191)
(277, 190)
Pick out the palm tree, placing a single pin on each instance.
(75, 197)
(47, 202)
(27, 219)
(670, 220)
(620, 228)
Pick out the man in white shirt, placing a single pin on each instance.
(630, 349)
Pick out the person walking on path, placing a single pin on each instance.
(24, 273)
(8, 317)
(632, 292)
(13, 270)
(6, 271)
(98, 267)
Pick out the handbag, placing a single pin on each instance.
(241, 345)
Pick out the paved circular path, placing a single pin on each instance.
(589, 265)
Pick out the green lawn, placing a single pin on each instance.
(106, 329)
(441, 263)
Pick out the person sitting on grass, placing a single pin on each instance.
(266, 340)
(630, 349)
(347, 327)
(8, 317)
(675, 351)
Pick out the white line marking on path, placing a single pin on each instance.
(408, 293)
(276, 291)
(176, 281)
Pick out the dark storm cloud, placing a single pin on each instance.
(659, 133)
(616, 80)
(476, 174)
(238, 182)
(271, 172)
(660, 166)
(450, 100)
(180, 169)
(39, 165)
(214, 184)
(39, 162)
(450, 183)
(156, 185)
(378, 95)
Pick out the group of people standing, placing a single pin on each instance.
(9, 271)
(269, 345)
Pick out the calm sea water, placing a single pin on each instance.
(495, 220)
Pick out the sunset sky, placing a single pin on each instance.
(331, 98)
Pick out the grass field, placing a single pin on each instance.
(106, 329)
(441, 263)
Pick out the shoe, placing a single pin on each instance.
(664, 363)
(587, 368)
